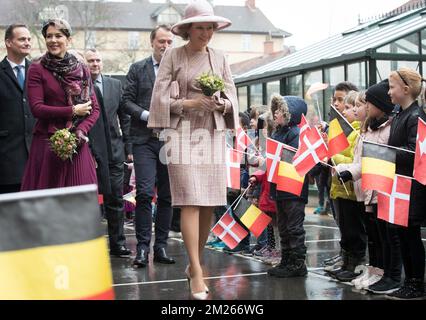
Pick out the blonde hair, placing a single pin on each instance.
(351, 97)
(361, 96)
(410, 78)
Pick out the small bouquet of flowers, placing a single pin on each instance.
(64, 144)
(210, 83)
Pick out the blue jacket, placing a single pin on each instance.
(289, 134)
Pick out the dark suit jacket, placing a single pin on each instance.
(16, 125)
(137, 97)
(100, 146)
(117, 118)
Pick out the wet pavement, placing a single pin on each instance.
(232, 277)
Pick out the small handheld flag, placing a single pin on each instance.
(394, 208)
(377, 167)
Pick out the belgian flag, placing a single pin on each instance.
(377, 167)
(52, 246)
(252, 217)
(338, 133)
(288, 179)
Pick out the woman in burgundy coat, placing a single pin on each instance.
(61, 96)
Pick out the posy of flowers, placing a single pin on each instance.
(210, 83)
(64, 144)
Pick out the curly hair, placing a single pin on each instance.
(278, 103)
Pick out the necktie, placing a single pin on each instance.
(20, 76)
(99, 85)
(156, 66)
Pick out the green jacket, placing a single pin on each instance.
(346, 156)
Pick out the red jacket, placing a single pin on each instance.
(265, 203)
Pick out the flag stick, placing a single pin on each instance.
(326, 164)
(388, 146)
(239, 198)
(341, 180)
(318, 108)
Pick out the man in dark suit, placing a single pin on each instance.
(149, 170)
(16, 120)
(109, 92)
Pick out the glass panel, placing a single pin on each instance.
(384, 67)
(423, 41)
(356, 74)
(332, 76)
(256, 94)
(294, 86)
(246, 42)
(315, 101)
(242, 98)
(272, 88)
(407, 45)
(424, 70)
(133, 40)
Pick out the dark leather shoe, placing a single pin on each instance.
(141, 259)
(160, 256)
(120, 252)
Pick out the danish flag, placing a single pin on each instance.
(233, 160)
(395, 207)
(242, 141)
(229, 231)
(420, 158)
(312, 150)
(303, 126)
(273, 158)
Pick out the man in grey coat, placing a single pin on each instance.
(149, 170)
(16, 120)
(117, 122)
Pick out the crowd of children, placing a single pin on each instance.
(375, 254)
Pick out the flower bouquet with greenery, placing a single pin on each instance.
(64, 144)
(210, 83)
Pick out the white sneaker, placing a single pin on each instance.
(335, 266)
(365, 273)
(375, 277)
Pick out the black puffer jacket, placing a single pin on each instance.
(289, 135)
(403, 135)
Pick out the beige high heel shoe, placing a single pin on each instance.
(203, 295)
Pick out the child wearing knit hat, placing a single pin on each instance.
(382, 239)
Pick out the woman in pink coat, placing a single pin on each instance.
(61, 96)
(197, 167)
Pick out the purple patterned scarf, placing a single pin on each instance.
(73, 76)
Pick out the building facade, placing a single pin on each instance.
(364, 55)
(120, 31)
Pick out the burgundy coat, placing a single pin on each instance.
(48, 104)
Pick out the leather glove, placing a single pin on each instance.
(81, 137)
(345, 176)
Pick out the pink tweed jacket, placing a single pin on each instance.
(170, 90)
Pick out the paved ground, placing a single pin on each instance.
(232, 277)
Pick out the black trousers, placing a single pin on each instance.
(150, 172)
(352, 228)
(9, 188)
(413, 252)
(392, 261)
(114, 207)
(175, 226)
(375, 245)
(290, 218)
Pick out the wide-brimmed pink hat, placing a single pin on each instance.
(199, 11)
